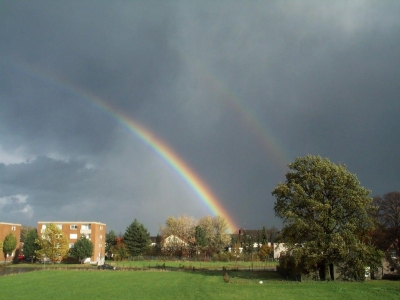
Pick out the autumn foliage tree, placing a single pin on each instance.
(182, 227)
(216, 233)
(53, 243)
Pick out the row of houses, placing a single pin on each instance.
(94, 231)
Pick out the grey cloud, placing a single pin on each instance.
(236, 89)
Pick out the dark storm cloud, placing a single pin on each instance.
(90, 47)
(54, 177)
(217, 81)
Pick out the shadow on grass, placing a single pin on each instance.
(233, 273)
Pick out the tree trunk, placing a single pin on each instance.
(322, 270)
(332, 271)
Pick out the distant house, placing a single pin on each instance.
(6, 229)
(153, 240)
(279, 248)
(94, 231)
(387, 268)
(174, 241)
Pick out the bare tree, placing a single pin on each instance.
(388, 235)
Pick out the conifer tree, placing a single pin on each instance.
(136, 238)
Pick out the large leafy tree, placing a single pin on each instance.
(30, 246)
(387, 236)
(9, 245)
(83, 248)
(182, 227)
(53, 243)
(136, 238)
(326, 218)
(111, 242)
(216, 233)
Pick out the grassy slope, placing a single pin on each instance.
(56, 284)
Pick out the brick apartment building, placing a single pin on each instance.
(94, 231)
(6, 229)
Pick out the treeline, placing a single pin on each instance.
(188, 237)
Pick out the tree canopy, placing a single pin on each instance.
(53, 243)
(111, 242)
(215, 232)
(136, 238)
(326, 218)
(9, 244)
(82, 249)
(30, 246)
(387, 236)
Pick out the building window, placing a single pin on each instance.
(85, 226)
(13, 228)
(87, 236)
(101, 236)
(73, 236)
(101, 227)
(59, 226)
(74, 227)
(71, 245)
(100, 245)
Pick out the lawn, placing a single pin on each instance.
(158, 263)
(78, 284)
(196, 264)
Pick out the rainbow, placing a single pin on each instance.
(204, 193)
(173, 160)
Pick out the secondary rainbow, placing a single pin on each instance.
(247, 116)
(156, 144)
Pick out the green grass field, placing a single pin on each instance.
(78, 284)
(158, 263)
(195, 264)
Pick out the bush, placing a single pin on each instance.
(222, 256)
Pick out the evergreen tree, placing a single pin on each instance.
(30, 246)
(264, 236)
(83, 248)
(136, 239)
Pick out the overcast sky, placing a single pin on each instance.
(238, 89)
